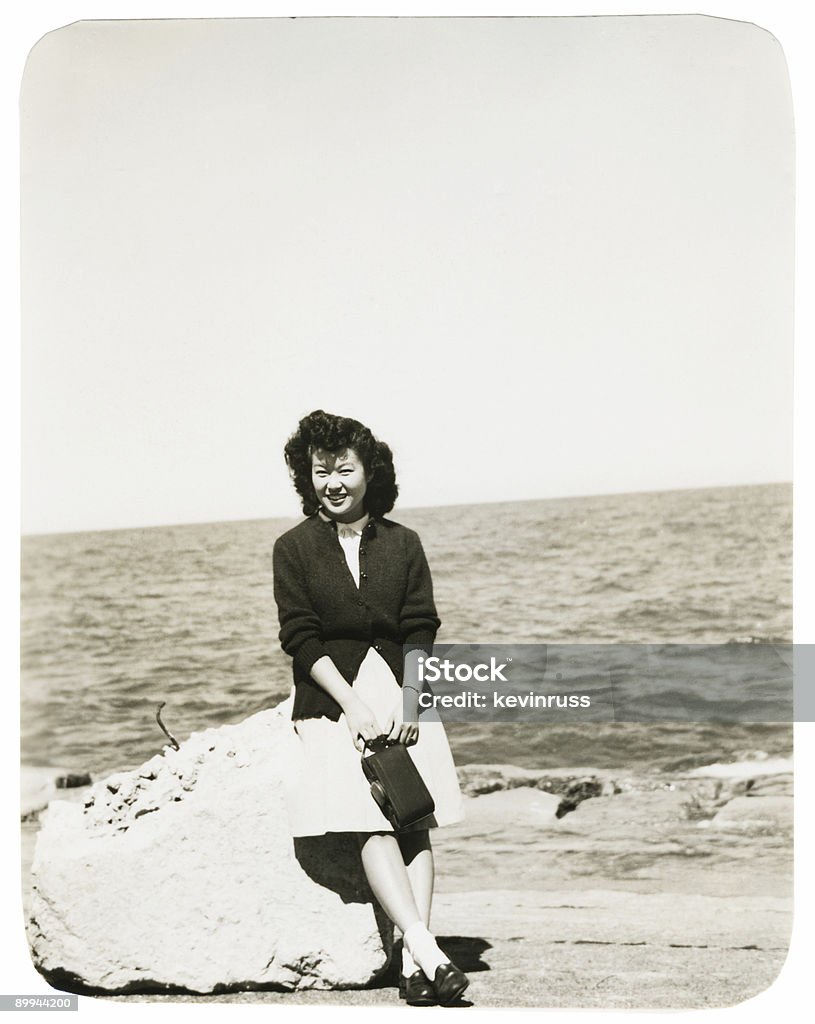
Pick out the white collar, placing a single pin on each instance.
(352, 529)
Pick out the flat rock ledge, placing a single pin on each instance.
(181, 876)
(722, 798)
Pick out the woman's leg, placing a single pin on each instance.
(401, 872)
(387, 874)
(417, 855)
(383, 861)
(388, 877)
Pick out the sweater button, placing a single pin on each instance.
(377, 647)
(360, 601)
(364, 575)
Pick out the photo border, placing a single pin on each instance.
(786, 20)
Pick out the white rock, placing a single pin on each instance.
(194, 883)
(756, 813)
(38, 786)
(744, 769)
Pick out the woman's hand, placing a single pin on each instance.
(361, 722)
(403, 723)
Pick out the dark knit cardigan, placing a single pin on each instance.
(322, 611)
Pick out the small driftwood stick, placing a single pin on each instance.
(169, 735)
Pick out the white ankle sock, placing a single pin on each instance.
(408, 963)
(424, 949)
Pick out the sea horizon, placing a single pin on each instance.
(115, 621)
(406, 508)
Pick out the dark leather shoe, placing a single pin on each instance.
(417, 990)
(449, 983)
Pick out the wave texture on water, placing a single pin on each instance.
(115, 622)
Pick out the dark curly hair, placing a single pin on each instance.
(324, 431)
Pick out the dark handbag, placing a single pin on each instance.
(396, 784)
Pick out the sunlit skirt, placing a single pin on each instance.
(326, 790)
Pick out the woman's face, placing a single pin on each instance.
(339, 483)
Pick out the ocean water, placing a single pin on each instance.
(115, 622)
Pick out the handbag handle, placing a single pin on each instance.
(378, 743)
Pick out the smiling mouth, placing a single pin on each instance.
(337, 498)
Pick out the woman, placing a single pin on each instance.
(352, 588)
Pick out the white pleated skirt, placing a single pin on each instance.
(325, 788)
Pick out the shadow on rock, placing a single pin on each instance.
(333, 862)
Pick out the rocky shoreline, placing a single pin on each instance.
(579, 887)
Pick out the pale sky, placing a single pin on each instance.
(539, 257)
